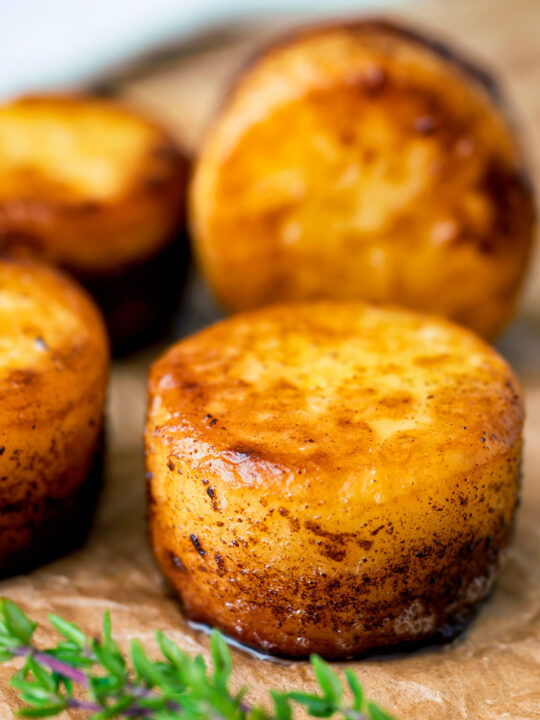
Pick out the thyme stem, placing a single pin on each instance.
(52, 663)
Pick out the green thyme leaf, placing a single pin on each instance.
(69, 630)
(315, 704)
(110, 660)
(377, 713)
(356, 689)
(144, 668)
(17, 624)
(221, 658)
(282, 706)
(42, 676)
(170, 650)
(328, 680)
(36, 695)
(43, 711)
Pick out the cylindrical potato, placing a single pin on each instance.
(332, 477)
(53, 378)
(364, 161)
(99, 190)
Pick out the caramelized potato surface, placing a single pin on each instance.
(332, 477)
(364, 161)
(99, 190)
(53, 377)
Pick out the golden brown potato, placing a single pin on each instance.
(332, 477)
(364, 161)
(98, 190)
(53, 377)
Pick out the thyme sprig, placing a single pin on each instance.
(93, 675)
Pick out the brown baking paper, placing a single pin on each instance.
(492, 672)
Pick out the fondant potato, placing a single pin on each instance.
(332, 477)
(364, 161)
(53, 375)
(99, 190)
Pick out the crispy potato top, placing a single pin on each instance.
(53, 346)
(67, 149)
(335, 390)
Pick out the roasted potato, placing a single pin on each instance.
(364, 161)
(53, 377)
(332, 477)
(100, 191)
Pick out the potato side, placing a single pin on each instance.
(364, 161)
(53, 377)
(331, 477)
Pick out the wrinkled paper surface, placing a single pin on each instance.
(492, 672)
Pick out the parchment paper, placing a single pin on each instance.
(490, 673)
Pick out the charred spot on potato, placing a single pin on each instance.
(220, 562)
(24, 377)
(150, 497)
(175, 562)
(396, 401)
(197, 545)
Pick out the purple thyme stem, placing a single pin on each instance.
(52, 663)
(80, 677)
(138, 712)
(62, 668)
(83, 705)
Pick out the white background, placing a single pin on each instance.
(54, 43)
